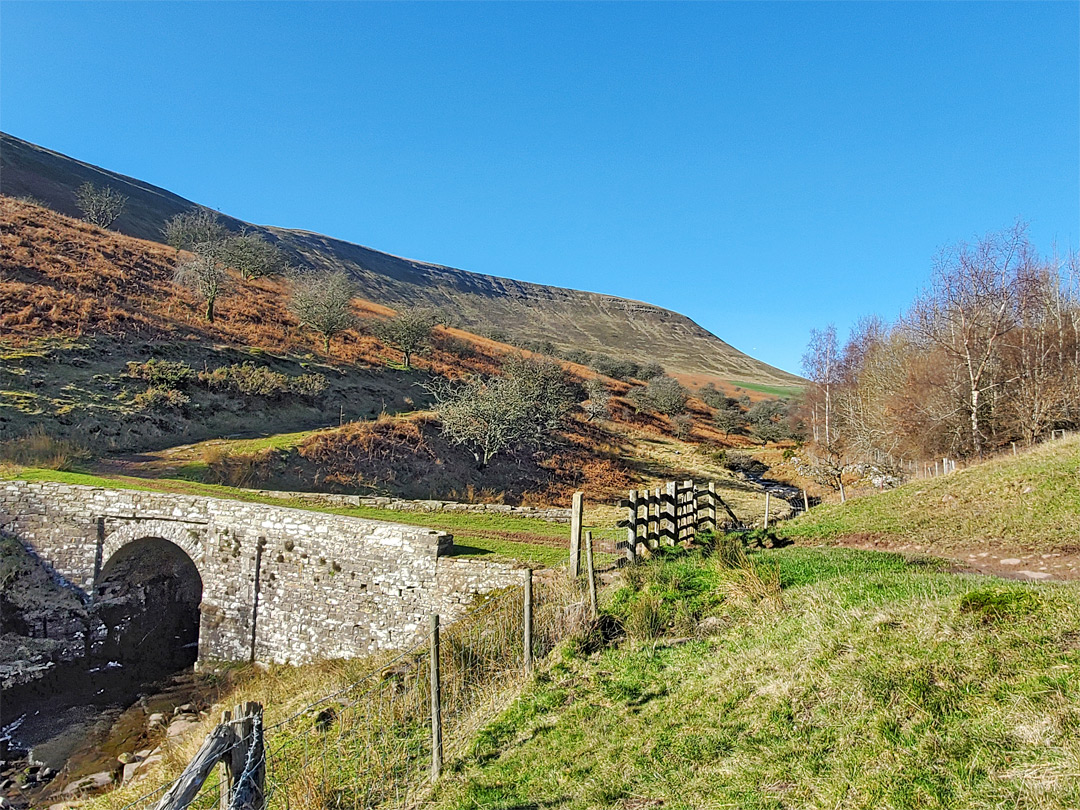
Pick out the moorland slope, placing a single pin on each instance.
(570, 319)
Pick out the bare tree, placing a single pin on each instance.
(321, 302)
(598, 402)
(970, 307)
(520, 408)
(204, 274)
(409, 331)
(253, 256)
(195, 227)
(100, 206)
(821, 364)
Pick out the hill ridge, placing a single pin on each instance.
(526, 311)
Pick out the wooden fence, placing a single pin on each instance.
(237, 747)
(672, 514)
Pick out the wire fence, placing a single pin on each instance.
(369, 743)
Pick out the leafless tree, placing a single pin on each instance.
(821, 364)
(204, 273)
(253, 256)
(197, 226)
(970, 307)
(100, 206)
(598, 402)
(321, 301)
(409, 331)
(520, 408)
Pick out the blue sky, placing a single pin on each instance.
(764, 168)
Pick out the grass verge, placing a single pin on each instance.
(872, 681)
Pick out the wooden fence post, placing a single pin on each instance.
(710, 506)
(226, 778)
(688, 528)
(668, 514)
(436, 703)
(249, 792)
(592, 574)
(766, 509)
(576, 510)
(652, 518)
(631, 525)
(184, 789)
(805, 501)
(528, 632)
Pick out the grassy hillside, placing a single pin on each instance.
(568, 318)
(867, 681)
(1027, 502)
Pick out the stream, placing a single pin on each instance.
(78, 719)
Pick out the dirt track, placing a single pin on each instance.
(1022, 565)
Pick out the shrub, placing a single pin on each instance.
(662, 394)
(161, 373)
(251, 380)
(683, 425)
(160, 399)
(308, 385)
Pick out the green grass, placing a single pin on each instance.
(877, 682)
(781, 391)
(1031, 501)
(466, 527)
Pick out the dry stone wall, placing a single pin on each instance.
(279, 584)
(550, 514)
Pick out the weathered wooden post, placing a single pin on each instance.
(577, 507)
(688, 529)
(710, 505)
(652, 518)
(187, 787)
(436, 702)
(668, 514)
(591, 572)
(805, 501)
(225, 775)
(766, 509)
(631, 525)
(249, 791)
(528, 632)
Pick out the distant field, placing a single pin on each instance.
(771, 390)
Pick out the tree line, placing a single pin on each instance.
(988, 354)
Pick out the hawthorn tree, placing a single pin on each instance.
(100, 206)
(204, 274)
(321, 301)
(520, 408)
(409, 331)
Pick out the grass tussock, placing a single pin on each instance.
(38, 449)
(880, 683)
(1029, 501)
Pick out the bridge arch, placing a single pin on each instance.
(148, 597)
(186, 536)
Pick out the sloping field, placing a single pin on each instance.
(1028, 502)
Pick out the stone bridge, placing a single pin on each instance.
(266, 583)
